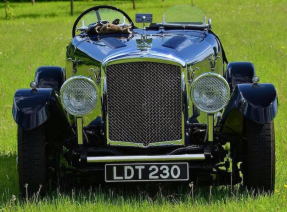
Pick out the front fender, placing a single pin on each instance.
(33, 108)
(50, 77)
(258, 103)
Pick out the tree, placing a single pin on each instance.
(134, 5)
(72, 7)
(33, 2)
(6, 7)
(9, 12)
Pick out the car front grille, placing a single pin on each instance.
(144, 102)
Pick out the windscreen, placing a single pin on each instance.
(184, 14)
(102, 14)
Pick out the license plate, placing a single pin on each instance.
(146, 172)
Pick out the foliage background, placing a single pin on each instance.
(24, 1)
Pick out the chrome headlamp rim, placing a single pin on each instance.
(72, 79)
(205, 75)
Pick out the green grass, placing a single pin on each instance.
(249, 30)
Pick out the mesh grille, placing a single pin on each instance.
(79, 96)
(144, 102)
(210, 93)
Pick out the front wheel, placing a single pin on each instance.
(32, 161)
(258, 165)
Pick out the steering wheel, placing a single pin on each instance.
(96, 10)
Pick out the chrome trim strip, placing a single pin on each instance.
(80, 130)
(163, 143)
(210, 124)
(138, 55)
(143, 158)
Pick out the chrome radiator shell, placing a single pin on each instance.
(144, 103)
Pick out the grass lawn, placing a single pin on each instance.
(250, 30)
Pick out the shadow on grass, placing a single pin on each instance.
(151, 193)
(32, 16)
(8, 177)
(143, 195)
(157, 193)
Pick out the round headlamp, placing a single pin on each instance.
(79, 95)
(210, 92)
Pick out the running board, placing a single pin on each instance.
(144, 158)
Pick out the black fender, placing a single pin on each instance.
(256, 102)
(50, 77)
(239, 72)
(31, 108)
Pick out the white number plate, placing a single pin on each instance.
(147, 172)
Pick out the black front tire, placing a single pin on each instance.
(259, 158)
(32, 161)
